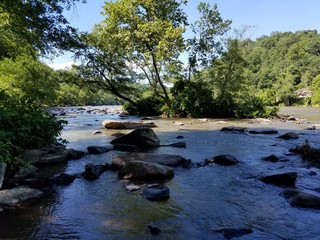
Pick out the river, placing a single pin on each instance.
(202, 199)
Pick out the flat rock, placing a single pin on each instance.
(127, 125)
(18, 195)
(145, 171)
(162, 159)
(289, 136)
(282, 179)
(262, 131)
(302, 199)
(225, 160)
(233, 129)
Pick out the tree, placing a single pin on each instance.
(35, 26)
(205, 46)
(141, 39)
(27, 78)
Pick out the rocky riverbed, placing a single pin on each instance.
(204, 179)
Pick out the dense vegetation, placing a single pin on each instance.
(139, 56)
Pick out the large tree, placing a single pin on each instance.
(139, 40)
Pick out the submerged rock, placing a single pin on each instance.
(263, 131)
(15, 196)
(282, 179)
(154, 230)
(271, 158)
(98, 149)
(230, 233)
(64, 179)
(302, 199)
(156, 193)
(225, 160)
(145, 171)
(142, 137)
(74, 154)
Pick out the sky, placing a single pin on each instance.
(263, 17)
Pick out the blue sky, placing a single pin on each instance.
(265, 16)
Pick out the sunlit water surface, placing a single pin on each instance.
(201, 200)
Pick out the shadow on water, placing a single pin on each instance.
(202, 199)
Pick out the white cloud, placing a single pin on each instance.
(64, 66)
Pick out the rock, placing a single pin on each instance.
(127, 125)
(3, 167)
(178, 123)
(74, 154)
(156, 193)
(64, 179)
(46, 156)
(233, 129)
(132, 187)
(98, 149)
(179, 137)
(302, 199)
(96, 132)
(154, 230)
(271, 158)
(142, 137)
(162, 159)
(263, 131)
(177, 145)
(229, 233)
(282, 179)
(118, 134)
(225, 160)
(92, 172)
(145, 171)
(27, 172)
(15, 196)
(126, 148)
(289, 135)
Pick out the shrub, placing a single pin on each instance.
(25, 126)
(147, 106)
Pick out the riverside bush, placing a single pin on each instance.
(25, 126)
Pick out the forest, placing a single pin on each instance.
(134, 57)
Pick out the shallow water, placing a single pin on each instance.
(201, 200)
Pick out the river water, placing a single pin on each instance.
(202, 199)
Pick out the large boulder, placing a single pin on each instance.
(145, 171)
(225, 160)
(127, 125)
(15, 196)
(46, 156)
(162, 159)
(282, 179)
(3, 167)
(142, 137)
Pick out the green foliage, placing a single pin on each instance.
(316, 90)
(192, 99)
(34, 26)
(283, 63)
(25, 126)
(146, 106)
(26, 77)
